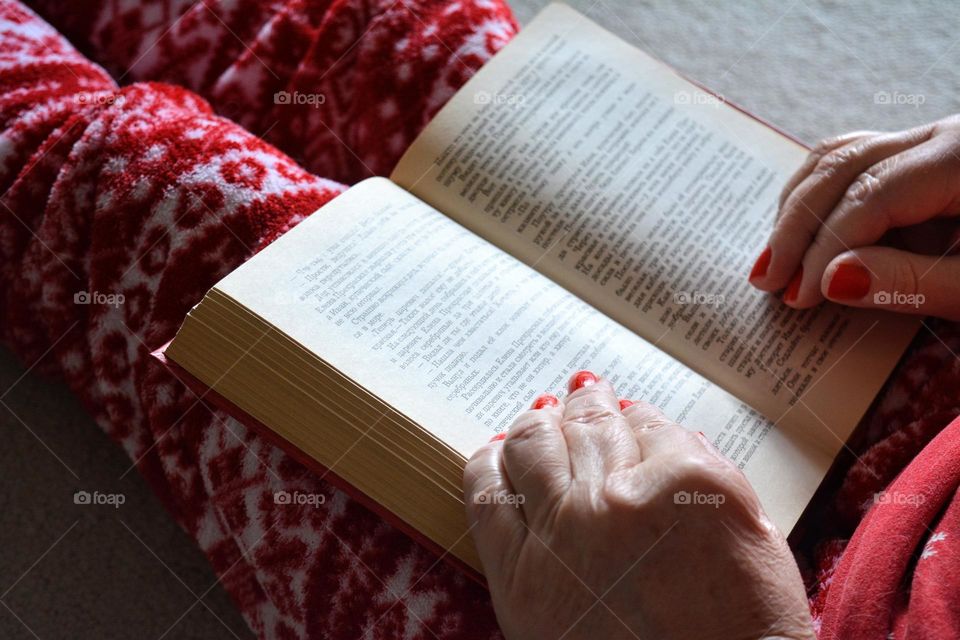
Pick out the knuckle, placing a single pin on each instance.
(944, 125)
(695, 469)
(704, 474)
(591, 412)
(826, 145)
(646, 415)
(926, 131)
(623, 490)
(906, 280)
(531, 425)
(864, 189)
(642, 406)
(833, 161)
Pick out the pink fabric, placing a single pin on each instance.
(897, 576)
(145, 192)
(920, 513)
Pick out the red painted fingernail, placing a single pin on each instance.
(498, 437)
(625, 403)
(849, 282)
(761, 265)
(793, 289)
(581, 379)
(546, 400)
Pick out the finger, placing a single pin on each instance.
(545, 400)
(536, 460)
(655, 433)
(810, 204)
(492, 521)
(895, 280)
(900, 191)
(598, 437)
(810, 163)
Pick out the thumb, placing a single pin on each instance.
(895, 280)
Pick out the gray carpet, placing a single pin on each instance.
(86, 571)
(80, 571)
(813, 68)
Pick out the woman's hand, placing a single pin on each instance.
(854, 192)
(600, 523)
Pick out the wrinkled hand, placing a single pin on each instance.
(599, 523)
(867, 221)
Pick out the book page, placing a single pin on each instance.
(649, 198)
(459, 336)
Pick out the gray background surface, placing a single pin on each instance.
(69, 571)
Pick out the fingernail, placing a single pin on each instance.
(498, 437)
(581, 379)
(793, 289)
(761, 265)
(625, 403)
(546, 400)
(850, 281)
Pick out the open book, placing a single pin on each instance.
(576, 205)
